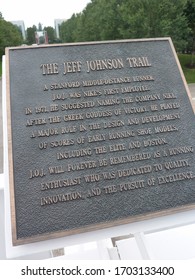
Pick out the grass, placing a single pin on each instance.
(189, 73)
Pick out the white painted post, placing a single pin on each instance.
(2, 224)
(141, 244)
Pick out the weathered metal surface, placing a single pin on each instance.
(100, 134)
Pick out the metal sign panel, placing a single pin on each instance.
(100, 134)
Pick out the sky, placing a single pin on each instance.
(40, 11)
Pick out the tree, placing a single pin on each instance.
(68, 29)
(51, 34)
(89, 29)
(9, 36)
(173, 23)
(189, 12)
(30, 35)
(152, 18)
(139, 19)
(109, 22)
(126, 19)
(100, 20)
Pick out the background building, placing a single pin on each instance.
(20, 24)
(41, 37)
(57, 23)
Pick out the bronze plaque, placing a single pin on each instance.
(100, 134)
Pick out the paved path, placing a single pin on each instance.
(191, 87)
(192, 90)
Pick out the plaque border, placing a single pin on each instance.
(93, 227)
